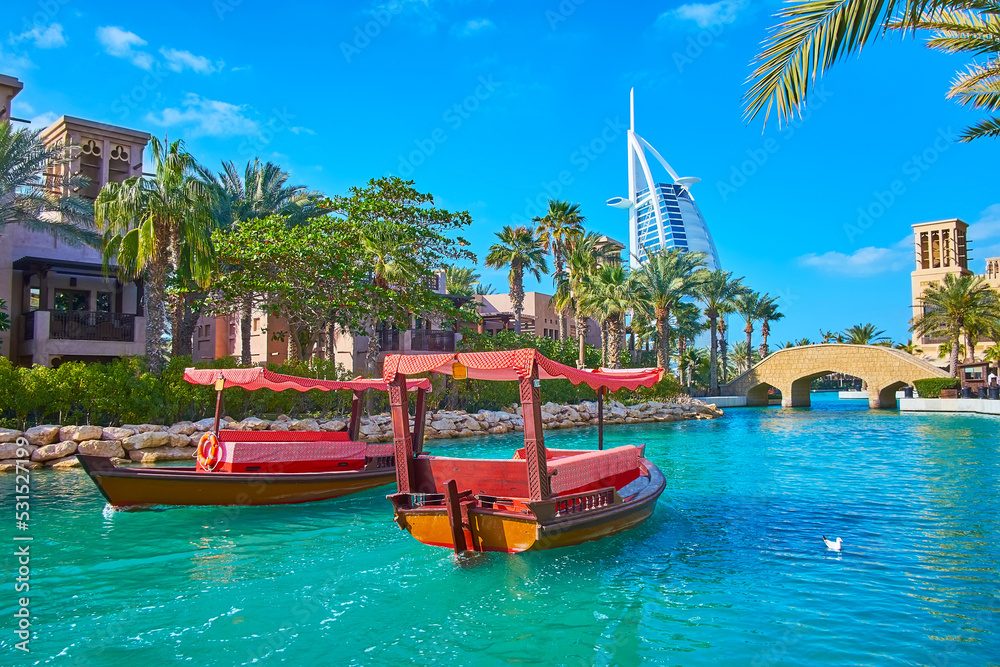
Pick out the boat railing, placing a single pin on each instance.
(574, 504)
(381, 461)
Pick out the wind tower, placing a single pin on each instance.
(661, 214)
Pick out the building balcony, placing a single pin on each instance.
(68, 334)
(423, 340)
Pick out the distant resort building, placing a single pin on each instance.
(661, 215)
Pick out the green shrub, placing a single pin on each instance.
(931, 387)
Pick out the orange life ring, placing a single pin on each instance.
(209, 452)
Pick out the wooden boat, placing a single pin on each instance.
(539, 499)
(258, 467)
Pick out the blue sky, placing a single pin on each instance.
(484, 104)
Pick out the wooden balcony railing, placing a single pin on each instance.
(422, 340)
(86, 325)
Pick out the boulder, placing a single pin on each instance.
(106, 448)
(253, 424)
(184, 428)
(333, 425)
(162, 454)
(205, 424)
(278, 426)
(499, 428)
(283, 418)
(80, 433)
(443, 425)
(304, 425)
(9, 435)
(12, 467)
(145, 428)
(113, 433)
(146, 440)
(180, 440)
(66, 462)
(8, 450)
(42, 435)
(54, 451)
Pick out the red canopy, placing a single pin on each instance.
(515, 365)
(259, 377)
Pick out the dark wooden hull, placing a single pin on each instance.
(136, 488)
(509, 532)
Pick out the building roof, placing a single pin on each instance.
(72, 123)
(64, 266)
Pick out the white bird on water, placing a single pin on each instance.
(832, 545)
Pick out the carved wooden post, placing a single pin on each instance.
(401, 438)
(354, 428)
(418, 421)
(600, 417)
(534, 441)
(220, 384)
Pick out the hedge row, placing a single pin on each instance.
(931, 387)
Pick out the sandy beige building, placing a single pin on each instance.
(62, 304)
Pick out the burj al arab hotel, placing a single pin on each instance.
(660, 215)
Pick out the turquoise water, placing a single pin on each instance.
(730, 568)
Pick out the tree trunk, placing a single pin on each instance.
(185, 344)
(765, 331)
(293, 343)
(724, 353)
(517, 296)
(331, 342)
(156, 312)
(604, 343)
(713, 358)
(582, 329)
(682, 363)
(749, 332)
(970, 348)
(662, 338)
(371, 357)
(614, 337)
(953, 360)
(246, 321)
(561, 314)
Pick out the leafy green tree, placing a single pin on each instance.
(521, 250)
(25, 165)
(862, 334)
(814, 34)
(716, 292)
(611, 295)
(954, 305)
(157, 226)
(668, 276)
(768, 313)
(404, 238)
(560, 224)
(261, 191)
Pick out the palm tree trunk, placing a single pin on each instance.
(156, 312)
(517, 295)
(970, 347)
(765, 331)
(953, 360)
(582, 329)
(246, 321)
(713, 358)
(561, 315)
(604, 343)
(176, 310)
(185, 346)
(749, 332)
(662, 339)
(614, 343)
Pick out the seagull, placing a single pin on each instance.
(831, 545)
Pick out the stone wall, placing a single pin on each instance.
(54, 446)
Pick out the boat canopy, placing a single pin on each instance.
(259, 377)
(516, 365)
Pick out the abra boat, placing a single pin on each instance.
(258, 467)
(541, 498)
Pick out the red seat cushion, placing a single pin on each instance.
(595, 470)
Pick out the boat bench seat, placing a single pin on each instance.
(594, 470)
(289, 451)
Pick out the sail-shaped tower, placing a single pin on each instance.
(661, 214)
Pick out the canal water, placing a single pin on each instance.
(730, 568)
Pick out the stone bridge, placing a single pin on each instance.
(792, 370)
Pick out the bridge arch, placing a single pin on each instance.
(792, 371)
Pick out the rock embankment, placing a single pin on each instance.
(55, 446)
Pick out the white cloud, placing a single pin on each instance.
(43, 120)
(862, 262)
(987, 226)
(206, 117)
(301, 130)
(178, 60)
(121, 43)
(14, 63)
(50, 37)
(473, 26)
(705, 15)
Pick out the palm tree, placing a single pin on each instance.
(155, 226)
(583, 256)
(669, 276)
(802, 342)
(862, 334)
(814, 34)
(727, 308)
(521, 250)
(907, 347)
(461, 280)
(750, 307)
(687, 321)
(768, 313)
(483, 290)
(744, 356)
(611, 295)
(261, 191)
(954, 305)
(559, 225)
(716, 292)
(26, 199)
